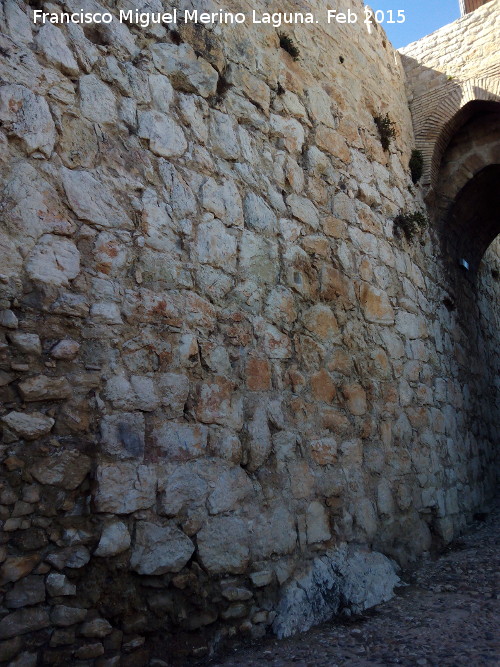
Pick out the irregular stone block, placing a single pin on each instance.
(44, 388)
(182, 488)
(223, 201)
(92, 201)
(26, 343)
(343, 577)
(324, 451)
(97, 627)
(73, 557)
(8, 319)
(54, 261)
(23, 621)
(159, 549)
(115, 539)
(173, 390)
(66, 469)
(97, 100)
(28, 592)
(29, 426)
(78, 146)
(123, 487)
(27, 116)
(186, 71)
(223, 545)
(274, 533)
(165, 137)
(317, 523)
(376, 305)
(122, 434)
(355, 397)
(58, 585)
(231, 488)
(259, 444)
(64, 616)
(51, 42)
(16, 567)
(162, 93)
(321, 322)
(181, 441)
(258, 214)
(304, 210)
(215, 246)
(66, 349)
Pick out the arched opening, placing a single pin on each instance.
(466, 208)
(474, 219)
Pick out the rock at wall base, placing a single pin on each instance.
(344, 578)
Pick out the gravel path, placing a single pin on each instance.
(447, 615)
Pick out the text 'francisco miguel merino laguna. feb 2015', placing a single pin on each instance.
(276, 19)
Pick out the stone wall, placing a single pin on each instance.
(447, 70)
(222, 374)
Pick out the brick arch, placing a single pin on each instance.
(454, 105)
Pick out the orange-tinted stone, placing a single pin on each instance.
(258, 374)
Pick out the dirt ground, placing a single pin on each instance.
(448, 614)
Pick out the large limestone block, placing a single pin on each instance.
(317, 523)
(304, 210)
(29, 426)
(45, 388)
(54, 261)
(182, 488)
(124, 487)
(165, 136)
(28, 592)
(26, 343)
(259, 438)
(22, 621)
(186, 71)
(92, 201)
(223, 545)
(290, 130)
(159, 549)
(273, 533)
(115, 539)
(320, 321)
(215, 246)
(66, 469)
(232, 487)
(51, 42)
(97, 100)
(258, 258)
(27, 116)
(122, 434)
(376, 305)
(223, 201)
(181, 441)
(342, 578)
(258, 214)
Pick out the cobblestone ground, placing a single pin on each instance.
(447, 615)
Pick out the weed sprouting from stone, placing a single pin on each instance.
(416, 165)
(287, 44)
(386, 129)
(410, 224)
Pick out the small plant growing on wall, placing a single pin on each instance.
(386, 129)
(416, 165)
(288, 45)
(409, 224)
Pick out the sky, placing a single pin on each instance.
(422, 17)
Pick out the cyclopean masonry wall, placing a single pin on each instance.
(228, 388)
